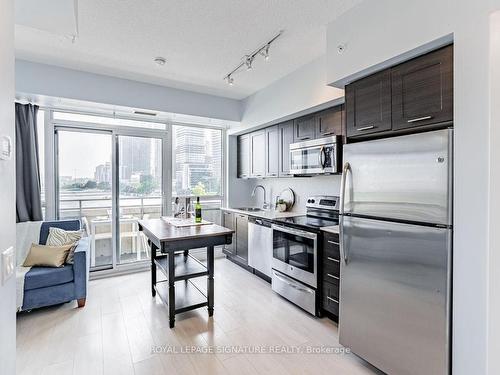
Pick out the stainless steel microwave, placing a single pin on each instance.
(318, 156)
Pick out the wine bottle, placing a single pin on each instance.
(197, 211)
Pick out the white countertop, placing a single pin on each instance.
(331, 229)
(264, 214)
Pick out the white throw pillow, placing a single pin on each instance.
(60, 237)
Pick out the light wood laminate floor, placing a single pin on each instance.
(123, 330)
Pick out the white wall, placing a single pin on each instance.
(494, 256)
(7, 187)
(301, 90)
(238, 190)
(377, 31)
(53, 81)
(374, 33)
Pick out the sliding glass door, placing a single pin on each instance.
(140, 177)
(85, 187)
(110, 180)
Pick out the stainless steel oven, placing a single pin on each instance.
(295, 253)
(319, 156)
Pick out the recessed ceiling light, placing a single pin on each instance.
(160, 60)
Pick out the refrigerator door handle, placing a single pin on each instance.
(345, 171)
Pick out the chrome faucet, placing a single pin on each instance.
(265, 205)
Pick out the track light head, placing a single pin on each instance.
(265, 52)
(230, 80)
(249, 61)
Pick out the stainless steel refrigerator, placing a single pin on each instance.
(396, 249)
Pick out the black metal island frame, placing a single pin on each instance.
(170, 247)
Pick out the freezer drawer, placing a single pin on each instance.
(402, 178)
(395, 295)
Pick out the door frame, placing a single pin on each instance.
(165, 136)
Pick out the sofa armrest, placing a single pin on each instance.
(81, 268)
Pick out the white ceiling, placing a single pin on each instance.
(201, 40)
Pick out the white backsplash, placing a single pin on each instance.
(302, 186)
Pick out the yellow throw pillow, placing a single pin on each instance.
(47, 256)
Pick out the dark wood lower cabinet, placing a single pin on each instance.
(330, 299)
(237, 251)
(330, 275)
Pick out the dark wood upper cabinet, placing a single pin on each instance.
(422, 90)
(368, 105)
(272, 151)
(243, 156)
(258, 154)
(329, 121)
(305, 128)
(285, 140)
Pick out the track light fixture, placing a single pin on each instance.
(247, 60)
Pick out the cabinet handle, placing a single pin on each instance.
(333, 259)
(332, 276)
(419, 119)
(333, 243)
(332, 299)
(329, 133)
(366, 128)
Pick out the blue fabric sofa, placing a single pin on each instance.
(46, 286)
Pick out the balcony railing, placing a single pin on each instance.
(96, 215)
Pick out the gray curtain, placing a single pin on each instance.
(28, 197)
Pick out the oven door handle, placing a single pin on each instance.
(295, 286)
(322, 157)
(297, 232)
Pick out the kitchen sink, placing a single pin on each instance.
(249, 209)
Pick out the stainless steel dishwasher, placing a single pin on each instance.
(260, 245)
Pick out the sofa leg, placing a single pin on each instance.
(81, 302)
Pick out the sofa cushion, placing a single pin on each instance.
(40, 277)
(62, 224)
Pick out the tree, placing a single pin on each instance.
(90, 184)
(104, 185)
(199, 189)
(147, 185)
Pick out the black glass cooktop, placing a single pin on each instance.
(311, 222)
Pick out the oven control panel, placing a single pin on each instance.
(325, 202)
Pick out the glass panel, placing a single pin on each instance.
(197, 161)
(85, 176)
(140, 176)
(107, 120)
(294, 250)
(312, 158)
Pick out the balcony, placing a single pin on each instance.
(95, 211)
